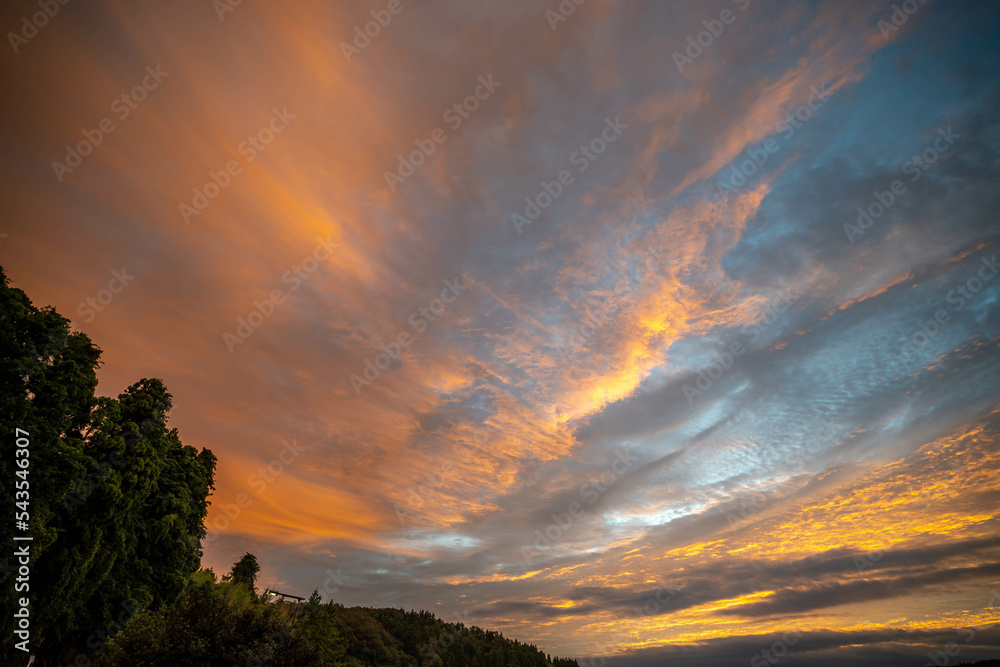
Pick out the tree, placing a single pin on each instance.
(210, 624)
(245, 572)
(117, 502)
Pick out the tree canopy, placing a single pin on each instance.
(117, 502)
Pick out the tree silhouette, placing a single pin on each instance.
(245, 572)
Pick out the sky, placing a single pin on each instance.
(641, 332)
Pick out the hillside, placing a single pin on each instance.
(227, 623)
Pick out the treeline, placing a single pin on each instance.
(227, 623)
(114, 506)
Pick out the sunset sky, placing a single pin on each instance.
(705, 328)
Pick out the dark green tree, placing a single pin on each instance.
(244, 572)
(117, 503)
(210, 624)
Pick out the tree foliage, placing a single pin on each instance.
(226, 624)
(244, 572)
(210, 624)
(117, 502)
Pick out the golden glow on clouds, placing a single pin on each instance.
(498, 386)
(882, 509)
